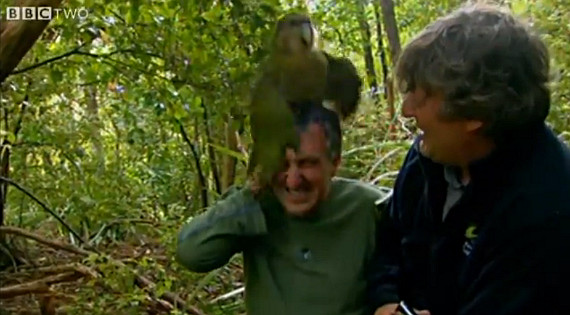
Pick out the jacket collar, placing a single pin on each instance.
(506, 155)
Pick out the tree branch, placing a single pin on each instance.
(43, 205)
(141, 281)
(198, 166)
(32, 287)
(381, 49)
(211, 152)
(338, 34)
(66, 247)
(38, 286)
(45, 62)
(77, 51)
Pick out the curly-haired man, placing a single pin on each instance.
(479, 222)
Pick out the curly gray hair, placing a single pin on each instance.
(488, 65)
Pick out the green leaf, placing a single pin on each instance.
(134, 11)
(209, 277)
(197, 102)
(178, 112)
(56, 76)
(185, 4)
(229, 152)
(91, 74)
(8, 135)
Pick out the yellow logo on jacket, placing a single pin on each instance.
(470, 236)
(470, 232)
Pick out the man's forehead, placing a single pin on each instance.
(293, 155)
(313, 143)
(313, 138)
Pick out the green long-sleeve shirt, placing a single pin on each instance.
(292, 266)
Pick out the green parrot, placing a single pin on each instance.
(295, 72)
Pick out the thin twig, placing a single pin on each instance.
(105, 227)
(380, 161)
(76, 51)
(388, 174)
(197, 161)
(45, 269)
(211, 152)
(43, 205)
(45, 62)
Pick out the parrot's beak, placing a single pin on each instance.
(307, 34)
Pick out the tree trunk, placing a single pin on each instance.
(387, 82)
(5, 149)
(95, 126)
(391, 29)
(211, 151)
(5, 153)
(389, 18)
(118, 139)
(367, 48)
(229, 168)
(381, 50)
(18, 36)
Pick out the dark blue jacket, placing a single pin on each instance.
(504, 248)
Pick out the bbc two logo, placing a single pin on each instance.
(44, 13)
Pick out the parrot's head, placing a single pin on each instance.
(295, 33)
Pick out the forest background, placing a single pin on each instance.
(120, 123)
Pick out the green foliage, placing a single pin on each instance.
(551, 19)
(100, 140)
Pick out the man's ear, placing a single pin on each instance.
(336, 164)
(473, 125)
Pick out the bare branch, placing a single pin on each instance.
(211, 152)
(77, 51)
(45, 62)
(40, 239)
(198, 166)
(43, 205)
(24, 288)
(38, 286)
(81, 270)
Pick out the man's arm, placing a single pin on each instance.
(209, 240)
(528, 274)
(383, 279)
(385, 271)
(385, 275)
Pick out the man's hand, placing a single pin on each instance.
(390, 309)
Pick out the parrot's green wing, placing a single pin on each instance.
(272, 129)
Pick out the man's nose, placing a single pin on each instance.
(293, 177)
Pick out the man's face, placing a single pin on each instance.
(443, 141)
(306, 176)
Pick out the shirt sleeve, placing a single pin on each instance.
(385, 275)
(383, 279)
(209, 240)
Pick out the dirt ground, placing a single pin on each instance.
(58, 281)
